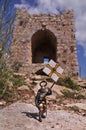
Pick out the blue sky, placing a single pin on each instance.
(55, 6)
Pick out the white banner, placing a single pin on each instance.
(53, 70)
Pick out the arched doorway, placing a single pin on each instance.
(43, 46)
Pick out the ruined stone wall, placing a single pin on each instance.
(62, 26)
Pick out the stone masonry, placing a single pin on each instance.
(44, 36)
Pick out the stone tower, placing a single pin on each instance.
(39, 38)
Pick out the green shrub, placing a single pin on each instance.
(75, 108)
(73, 95)
(18, 81)
(5, 77)
(49, 80)
(68, 93)
(9, 84)
(68, 82)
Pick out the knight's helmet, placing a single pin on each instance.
(43, 85)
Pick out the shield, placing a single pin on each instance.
(53, 70)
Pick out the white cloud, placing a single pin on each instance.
(21, 6)
(52, 6)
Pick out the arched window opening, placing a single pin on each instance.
(43, 46)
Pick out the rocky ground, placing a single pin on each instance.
(63, 113)
(23, 116)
